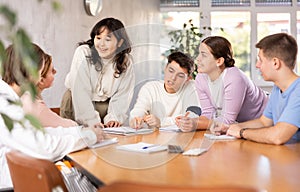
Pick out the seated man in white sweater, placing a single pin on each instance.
(52, 144)
(160, 102)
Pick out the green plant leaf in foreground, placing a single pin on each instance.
(34, 122)
(8, 121)
(8, 14)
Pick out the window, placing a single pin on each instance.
(174, 21)
(179, 3)
(273, 2)
(235, 24)
(245, 22)
(222, 3)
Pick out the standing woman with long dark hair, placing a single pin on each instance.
(101, 80)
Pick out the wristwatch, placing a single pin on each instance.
(241, 132)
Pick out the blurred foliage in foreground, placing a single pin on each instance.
(24, 52)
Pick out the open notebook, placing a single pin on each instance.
(127, 130)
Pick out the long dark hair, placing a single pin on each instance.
(117, 28)
(220, 47)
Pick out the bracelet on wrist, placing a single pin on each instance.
(241, 133)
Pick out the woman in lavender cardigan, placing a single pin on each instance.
(226, 94)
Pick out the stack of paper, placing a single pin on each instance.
(127, 130)
(143, 147)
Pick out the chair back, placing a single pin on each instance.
(138, 187)
(34, 175)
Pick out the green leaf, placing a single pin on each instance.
(27, 54)
(12, 102)
(56, 6)
(29, 86)
(8, 14)
(8, 121)
(34, 122)
(2, 56)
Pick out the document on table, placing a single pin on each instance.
(143, 147)
(105, 143)
(219, 137)
(194, 152)
(171, 128)
(127, 130)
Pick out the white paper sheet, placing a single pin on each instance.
(143, 147)
(219, 137)
(105, 143)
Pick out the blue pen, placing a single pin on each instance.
(146, 147)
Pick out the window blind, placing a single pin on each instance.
(274, 2)
(231, 3)
(179, 3)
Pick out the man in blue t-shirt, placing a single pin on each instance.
(281, 118)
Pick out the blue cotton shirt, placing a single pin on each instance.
(285, 107)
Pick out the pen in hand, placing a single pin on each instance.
(186, 114)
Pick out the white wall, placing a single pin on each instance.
(59, 33)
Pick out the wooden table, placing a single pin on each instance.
(235, 163)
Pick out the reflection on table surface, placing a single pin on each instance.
(234, 162)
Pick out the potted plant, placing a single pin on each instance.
(187, 40)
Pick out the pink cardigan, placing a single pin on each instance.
(242, 99)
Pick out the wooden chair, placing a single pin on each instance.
(138, 187)
(34, 175)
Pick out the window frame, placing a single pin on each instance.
(205, 8)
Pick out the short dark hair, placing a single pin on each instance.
(220, 47)
(183, 60)
(280, 45)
